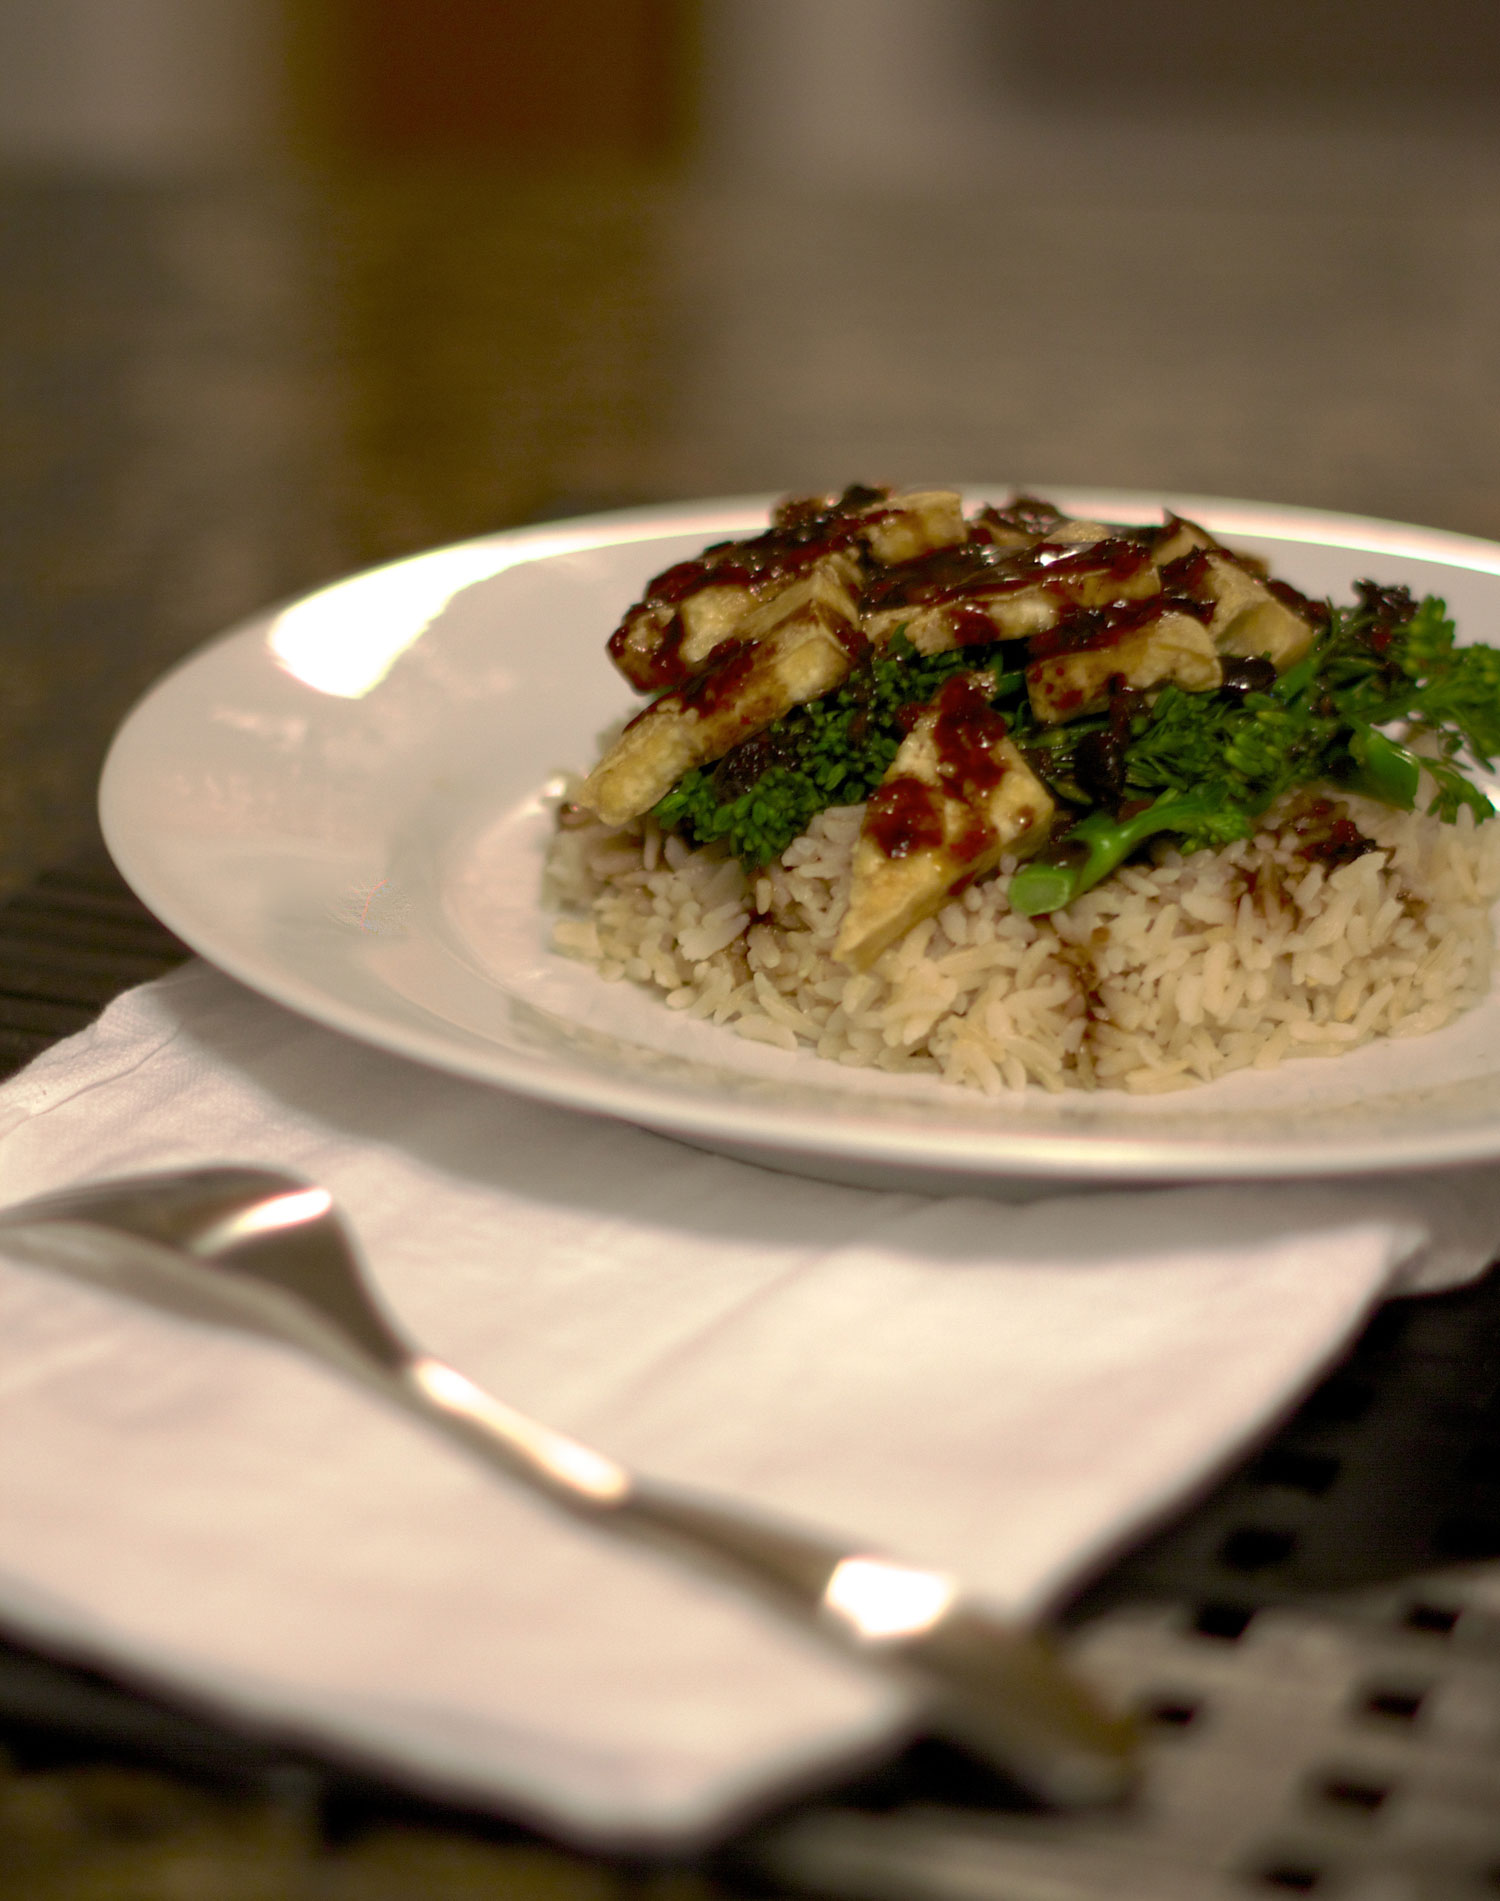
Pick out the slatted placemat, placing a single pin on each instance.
(69, 943)
(1314, 1651)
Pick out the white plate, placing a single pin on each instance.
(341, 805)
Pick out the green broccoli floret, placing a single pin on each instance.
(1251, 750)
(761, 821)
(1394, 660)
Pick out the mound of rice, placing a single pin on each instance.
(1168, 974)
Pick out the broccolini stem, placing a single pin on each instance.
(1297, 679)
(1386, 771)
(1092, 850)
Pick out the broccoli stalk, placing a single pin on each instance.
(1383, 770)
(1209, 815)
(1100, 843)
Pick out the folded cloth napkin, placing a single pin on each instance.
(1005, 1391)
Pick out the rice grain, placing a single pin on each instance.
(1172, 972)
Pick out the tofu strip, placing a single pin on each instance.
(957, 797)
(1168, 646)
(1249, 618)
(967, 597)
(691, 610)
(809, 640)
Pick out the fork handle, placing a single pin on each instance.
(997, 1688)
(994, 1687)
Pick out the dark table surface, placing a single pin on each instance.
(217, 392)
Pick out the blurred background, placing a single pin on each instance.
(291, 286)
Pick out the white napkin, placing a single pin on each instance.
(1005, 1391)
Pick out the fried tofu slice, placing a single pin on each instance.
(1073, 532)
(1026, 520)
(1249, 620)
(1179, 536)
(970, 620)
(665, 643)
(1169, 646)
(795, 647)
(688, 612)
(1028, 593)
(1244, 617)
(957, 797)
(915, 523)
(715, 614)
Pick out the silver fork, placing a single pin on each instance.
(267, 1252)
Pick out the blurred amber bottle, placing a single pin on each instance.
(515, 81)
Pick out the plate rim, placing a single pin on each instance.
(967, 1157)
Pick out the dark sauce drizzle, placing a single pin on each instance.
(732, 662)
(647, 647)
(905, 815)
(980, 568)
(1088, 628)
(1326, 838)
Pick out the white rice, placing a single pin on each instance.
(1168, 974)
